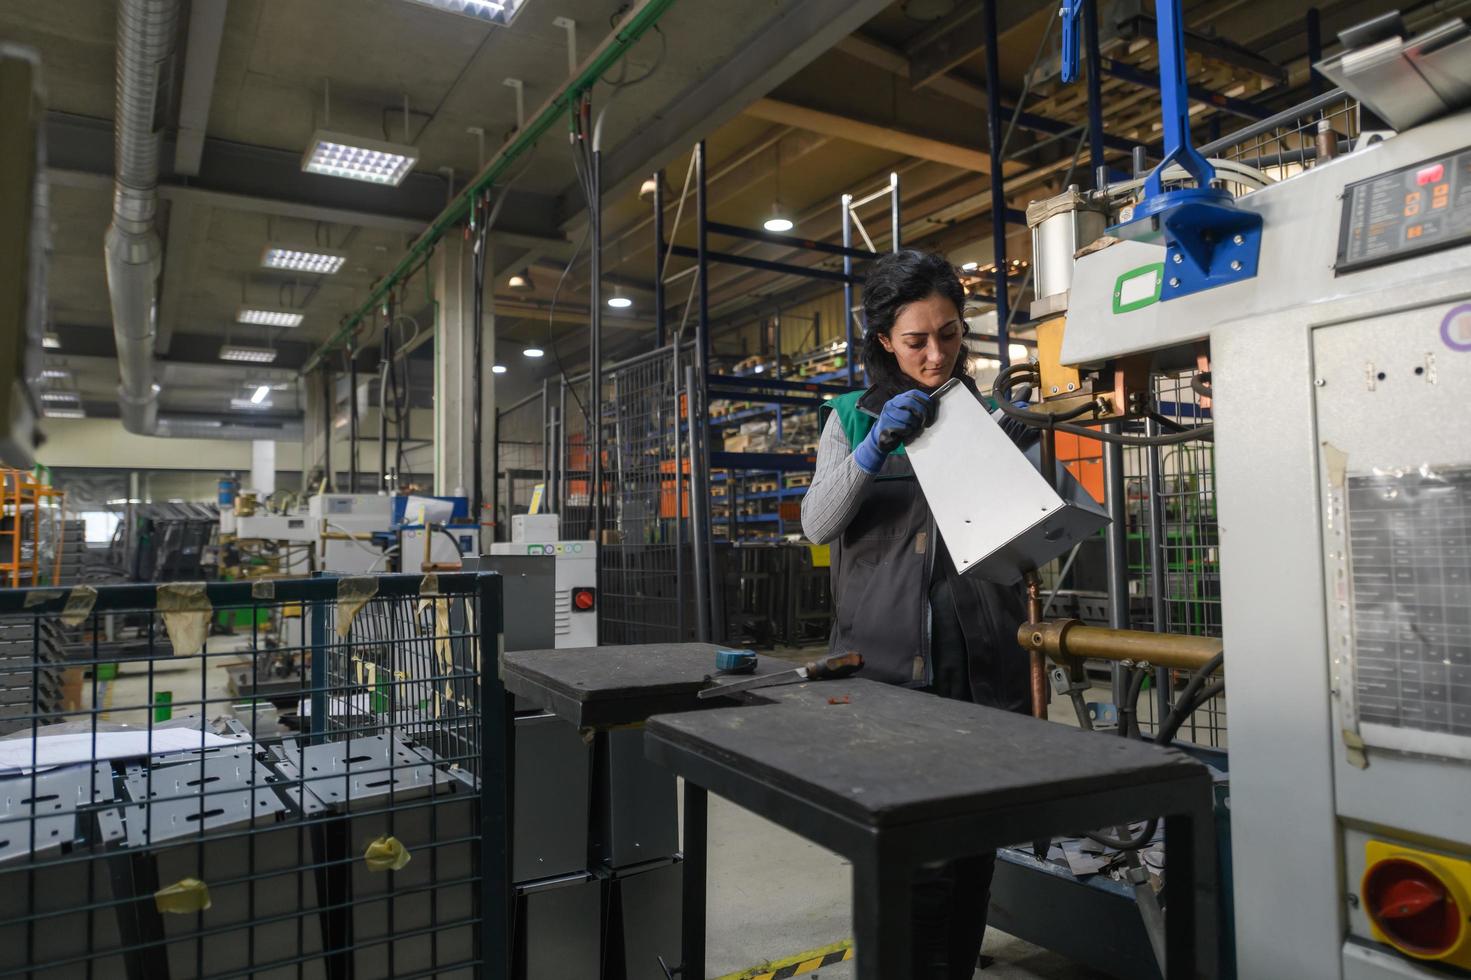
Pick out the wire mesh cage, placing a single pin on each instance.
(521, 456)
(298, 797)
(1298, 145)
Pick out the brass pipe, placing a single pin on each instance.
(1068, 640)
(1037, 660)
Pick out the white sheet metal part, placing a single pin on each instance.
(995, 512)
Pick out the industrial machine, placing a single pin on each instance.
(576, 577)
(1330, 316)
(353, 531)
(434, 533)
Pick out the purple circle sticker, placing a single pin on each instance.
(1455, 329)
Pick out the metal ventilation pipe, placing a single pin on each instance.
(145, 38)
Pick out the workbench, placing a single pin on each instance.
(886, 777)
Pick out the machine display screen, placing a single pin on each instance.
(1415, 209)
(1410, 558)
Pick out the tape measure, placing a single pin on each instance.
(735, 661)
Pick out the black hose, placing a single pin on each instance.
(1192, 699)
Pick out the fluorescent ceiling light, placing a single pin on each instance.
(619, 302)
(260, 394)
(498, 369)
(52, 374)
(65, 413)
(358, 158)
(60, 396)
(248, 403)
(51, 342)
(253, 355)
(970, 267)
(267, 318)
(500, 12)
(533, 352)
(314, 260)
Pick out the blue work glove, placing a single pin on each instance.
(903, 417)
(1021, 434)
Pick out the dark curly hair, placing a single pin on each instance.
(894, 281)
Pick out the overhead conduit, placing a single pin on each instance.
(146, 33)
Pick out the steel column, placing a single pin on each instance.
(699, 501)
(1157, 553)
(894, 245)
(595, 358)
(998, 186)
(659, 261)
(847, 207)
(1095, 91)
(352, 420)
(1315, 48)
(701, 425)
(1116, 543)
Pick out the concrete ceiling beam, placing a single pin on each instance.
(201, 59)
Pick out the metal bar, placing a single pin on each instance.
(1095, 90)
(791, 241)
(1148, 79)
(767, 265)
(638, 22)
(495, 482)
(746, 383)
(497, 789)
(692, 925)
(701, 404)
(384, 366)
(998, 186)
(785, 462)
(699, 497)
(1315, 48)
(326, 440)
(681, 428)
(846, 203)
(352, 420)
(1064, 639)
(894, 212)
(882, 192)
(1287, 117)
(318, 724)
(595, 361)
(1116, 544)
(1154, 475)
(659, 258)
(762, 396)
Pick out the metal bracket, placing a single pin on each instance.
(182, 799)
(519, 86)
(340, 774)
(50, 800)
(570, 26)
(1072, 14)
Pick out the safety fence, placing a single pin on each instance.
(290, 778)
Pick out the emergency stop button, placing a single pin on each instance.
(584, 600)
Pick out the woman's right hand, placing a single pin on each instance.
(903, 417)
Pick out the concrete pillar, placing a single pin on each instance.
(263, 466)
(454, 345)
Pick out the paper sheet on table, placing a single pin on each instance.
(46, 751)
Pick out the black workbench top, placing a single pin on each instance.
(891, 756)
(593, 687)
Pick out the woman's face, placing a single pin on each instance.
(926, 340)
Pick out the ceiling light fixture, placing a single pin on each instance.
(358, 158)
(248, 403)
(260, 394)
(520, 280)
(250, 355)
(52, 374)
(970, 267)
(618, 301)
(313, 260)
(498, 12)
(647, 188)
(256, 316)
(64, 413)
(60, 396)
(533, 352)
(51, 342)
(498, 369)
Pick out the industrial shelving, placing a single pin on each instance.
(26, 504)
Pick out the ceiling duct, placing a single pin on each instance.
(146, 30)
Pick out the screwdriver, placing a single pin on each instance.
(826, 669)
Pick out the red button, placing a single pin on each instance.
(1430, 174)
(583, 599)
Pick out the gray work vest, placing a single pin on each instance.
(882, 567)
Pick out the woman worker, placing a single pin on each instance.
(900, 602)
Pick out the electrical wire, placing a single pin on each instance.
(1001, 392)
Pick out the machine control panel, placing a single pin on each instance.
(1415, 209)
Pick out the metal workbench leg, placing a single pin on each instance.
(692, 928)
(882, 897)
(1190, 918)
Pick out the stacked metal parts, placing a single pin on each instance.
(159, 827)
